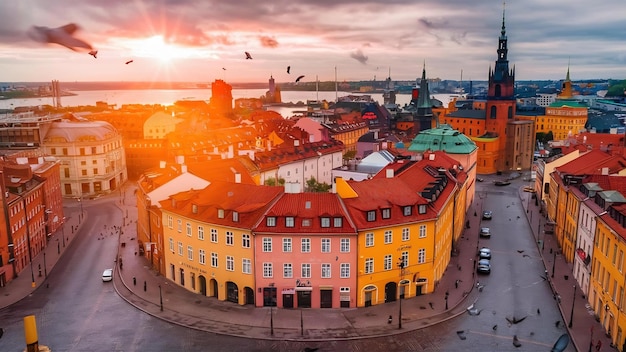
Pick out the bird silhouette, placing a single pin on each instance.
(288, 69)
(224, 68)
(63, 35)
(520, 251)
(461, 334)
(495, 327)
(128, 62)
(526, 256)
(248, 56)
(538, 311)
(299, 78)
(516, 342)
(94, 53)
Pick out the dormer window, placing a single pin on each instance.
(270, 221)
(407, 210)
(194, 208)
(289, 221)
(371, 215)
(235, 216)
(325, 222)
(386, 213)
(421, 209)
(220, 213)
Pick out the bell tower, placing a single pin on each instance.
(500, 105)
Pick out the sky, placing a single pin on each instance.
(347, 40)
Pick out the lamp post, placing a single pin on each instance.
(571, 316)
(401, 266)
(161, 297)
(553, 262)
(271, 320)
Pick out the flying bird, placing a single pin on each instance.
(94, 53)
(299, 78)
(63, 35)
(224, 68)
(128, 62)
(288, 69)
(248, 56)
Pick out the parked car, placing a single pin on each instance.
(484, 253)
(485, 232)
(484, 266)
(487, 214)
(107, 275)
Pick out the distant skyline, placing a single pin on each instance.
(204, 40)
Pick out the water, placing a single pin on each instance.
(170, 96)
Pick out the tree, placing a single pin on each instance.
(313, 186)
(273, 182)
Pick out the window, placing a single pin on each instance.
(180, 248)
(407, 210)
(371, 215)
(306, 222)
(179, 225)
(388, 236)
(405, 259)
(245, 240)
(287, 247)
(189, 252)
(214, 259)
(201, 256)
(172, 245)
(325, 271)
(369, 239)
(369, 265)
(220, 213)
(306, 245)
(246, 266)
(230, 238)
(337, 222)
(386, 213)
(388, 262)
(271, 221)
(421, 256)
(325, 245)
(95, 170)
(421, 209)
(214, 235)
(620, 261)
(267, 244)
(345, 270)
(287, 270)
(267, 270)
(422, 231)
(345, 245)
(325, 222)
(53, 151)
(188, 228)
(290, 221)
(201, 233)
(406, 235)
(170, 221)
(305, 270)
(230, 263)
(235, 216)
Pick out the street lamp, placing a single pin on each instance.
(401, 266)
(161, 297)
(571, 316)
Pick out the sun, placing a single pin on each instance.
(156, 48)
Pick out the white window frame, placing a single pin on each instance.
(326, 271)
(230, 263)
(201, 233)
(287, 245)
(202, 256)
(305, 271)
(345, 271)
(345, 245)
(287, 270)
(369, 239)
(267, 244)
(268, 270)
(325, 245)
(246, 266)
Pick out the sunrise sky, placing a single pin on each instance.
(204, 40)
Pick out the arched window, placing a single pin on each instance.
(510, 113)
(492, 114)
(498, 90)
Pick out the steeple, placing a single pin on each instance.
(501, 77)
(423, 116)
(566, 88)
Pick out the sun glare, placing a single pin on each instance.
(155, 47)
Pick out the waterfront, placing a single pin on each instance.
(167, 97)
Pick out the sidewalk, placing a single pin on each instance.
(42, 263)
(573, 303)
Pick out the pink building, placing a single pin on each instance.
(306, 253)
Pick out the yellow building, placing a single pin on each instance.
(208, 239)
(405, 229)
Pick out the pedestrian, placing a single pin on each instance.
(145, 286)
(456, 283)
(389, 320)
(598, 345)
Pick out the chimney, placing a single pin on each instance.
(431, 156)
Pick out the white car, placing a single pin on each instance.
(107, 275)
(484, 253)
(484, 266)
(485, 232)
(487, 215)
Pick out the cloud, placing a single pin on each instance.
(268, 42)
(359, 56)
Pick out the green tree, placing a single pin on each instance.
(271, 181)
(313, 186)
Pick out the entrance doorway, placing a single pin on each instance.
(232, 293)
(390, 292)
(213, 290)
(202, 283)
(287, 300)
(304, 299)
(326, 298)
(249, 292)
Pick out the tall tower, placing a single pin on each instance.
(423, 116)
(500, 106)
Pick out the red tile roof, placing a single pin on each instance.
(593, 162)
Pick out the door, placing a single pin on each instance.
(304, 299)
(326, 298)
(368, 298)
(249, 295)
(202, 283)
(232, 293)
(287, 300)
(390, 292)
